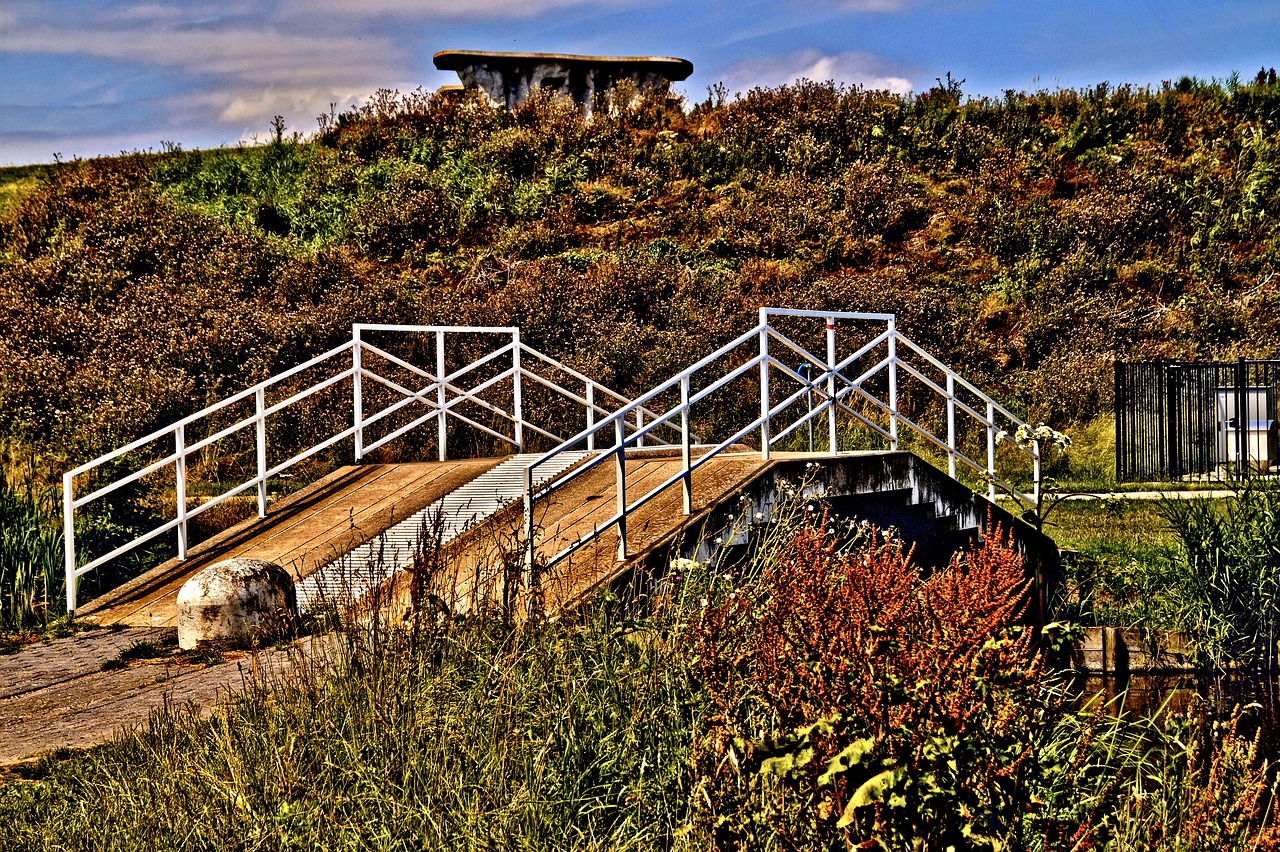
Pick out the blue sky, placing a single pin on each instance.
(91, 77)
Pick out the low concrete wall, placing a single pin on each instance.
(1120, 651)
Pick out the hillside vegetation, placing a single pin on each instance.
(1030, 240)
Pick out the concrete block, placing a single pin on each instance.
(1090, 652)
(1119, 650)
(234, 602)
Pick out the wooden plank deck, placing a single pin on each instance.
(474, 563)
(357, 503)
(581, 507)
(301, 533)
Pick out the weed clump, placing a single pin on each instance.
(1221, 582)
(850, 699)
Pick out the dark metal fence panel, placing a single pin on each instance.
(1179, 419)
(1141, 449)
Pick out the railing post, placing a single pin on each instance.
(991, 451)
(893, 385)
(620, 483)
(686, 449)
(180, 486)
(260, 418)
(1242, 419)
(591, 416)
(442, 426)
(529, 554)
(357, 402)
(69, 539)
(832, 446)
(639, 426)
(517, 404)
(1035, 484)
(764, 386)
(951, 425)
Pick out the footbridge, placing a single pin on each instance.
(500, 473)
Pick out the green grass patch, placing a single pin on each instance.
(143, 649)
(17, 182)
(1112, 546)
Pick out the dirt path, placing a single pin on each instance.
(59, 695)
(1206, 494)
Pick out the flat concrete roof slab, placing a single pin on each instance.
(671, 67)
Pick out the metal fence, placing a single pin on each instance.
(1177, 420)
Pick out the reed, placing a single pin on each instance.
(32, 575)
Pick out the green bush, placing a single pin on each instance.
(1029, 240)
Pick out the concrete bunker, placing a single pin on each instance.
(508, 79)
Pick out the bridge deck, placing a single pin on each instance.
(301, 533)
(357, 503)
(586, 503)
(576, 510)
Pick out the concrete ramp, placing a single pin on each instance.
(367, 566)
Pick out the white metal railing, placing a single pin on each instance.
(836, 387)
(443, 393)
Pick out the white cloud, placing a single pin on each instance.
(233, 64)
(457, 9)
(177, 69)
(239, 53)
(236, 76)
(851, 67)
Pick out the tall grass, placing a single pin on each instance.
(1222, 582)
(32, 575)
(599, 732)
(1171, 780)
(32, 567)
(463, 735)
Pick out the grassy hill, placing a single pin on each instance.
(1030, 239)
(828, 696)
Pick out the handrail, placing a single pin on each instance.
(832, 386)
(839, 381)
(443, 395)
(217, 406)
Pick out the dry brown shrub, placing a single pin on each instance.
(852, 700)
